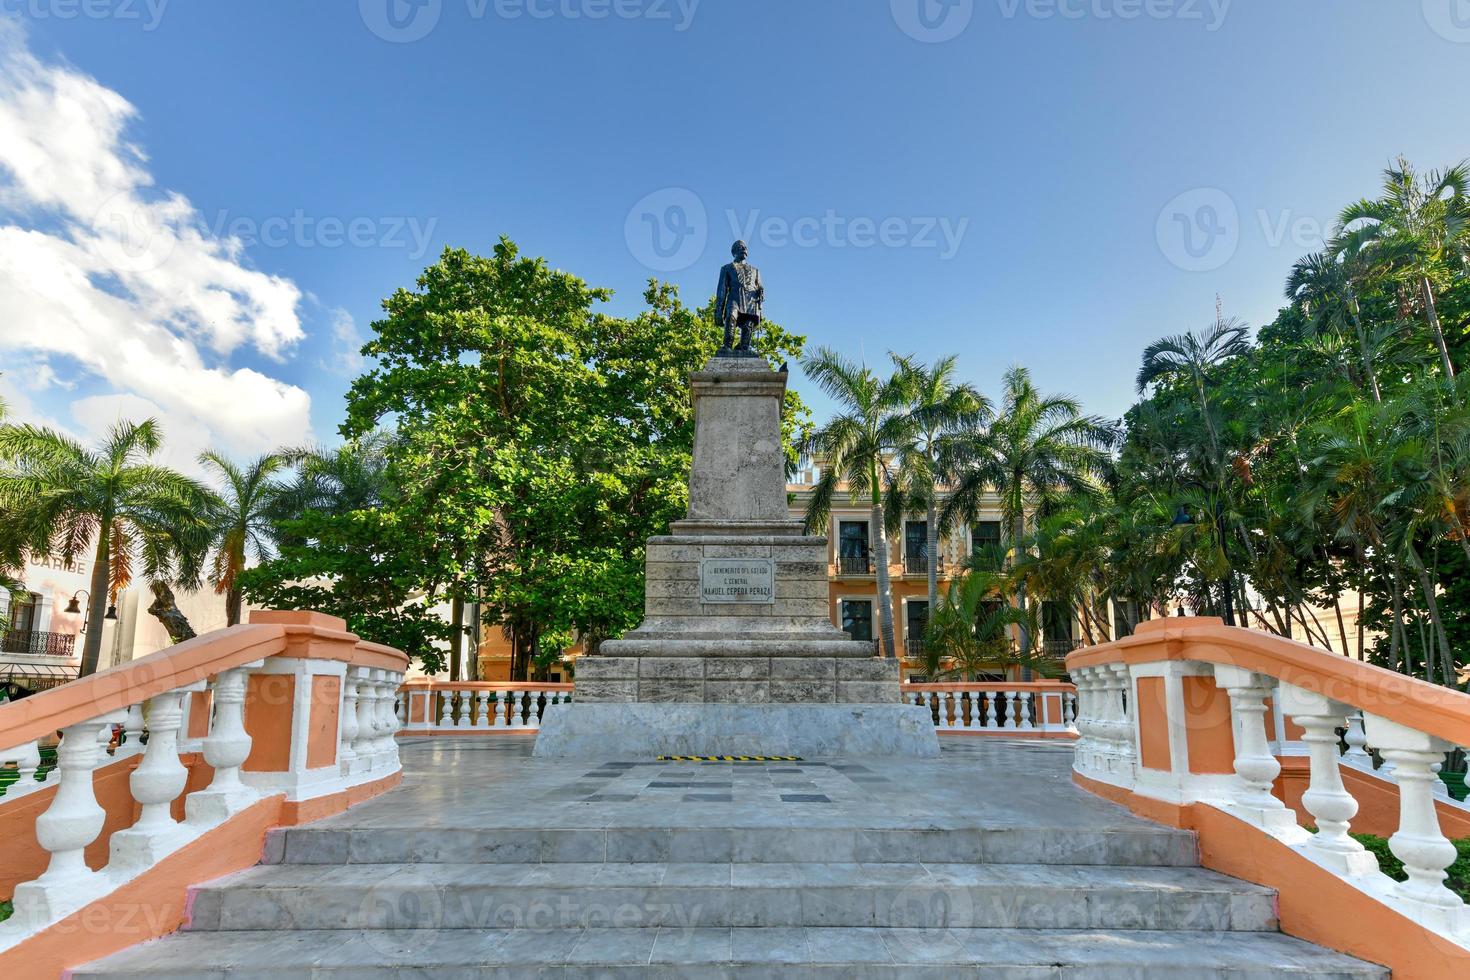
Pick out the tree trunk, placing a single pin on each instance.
(97, 599)
(1341, 626)
(1426, 290)
(233, 603)
(456, 636)
(885, 590)
(165, 609)
(1018, 532)
(1360, 624)
(1364, 349)
(1441, 641)
(932, 531)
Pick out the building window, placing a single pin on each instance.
(915, 622)
(916, 547)
(1127, 614)
(985, 545)
(853, 556)
(857, 618)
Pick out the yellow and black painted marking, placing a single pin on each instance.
(729, 758)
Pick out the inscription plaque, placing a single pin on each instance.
(737, 580)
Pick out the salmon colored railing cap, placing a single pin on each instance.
(1386, 693)
(126, 684)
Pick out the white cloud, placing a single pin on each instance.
(347, 344)
(98, 265)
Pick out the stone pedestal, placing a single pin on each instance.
(736, 628)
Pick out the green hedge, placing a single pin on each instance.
(1459, 879)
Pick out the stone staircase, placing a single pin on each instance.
(631, 901)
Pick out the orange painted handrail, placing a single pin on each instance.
(1406, 700)
(119, 687)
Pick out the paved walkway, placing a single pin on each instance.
(493, 782)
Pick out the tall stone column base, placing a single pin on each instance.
(813, 731)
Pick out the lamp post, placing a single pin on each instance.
(74, 607)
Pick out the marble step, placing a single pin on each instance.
(708, 895)
(693, 954)
(1141, 846)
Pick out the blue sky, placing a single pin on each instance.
(1055, 184)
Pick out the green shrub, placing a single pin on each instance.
(1459, 872)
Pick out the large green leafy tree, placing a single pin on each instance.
(539, 443)
(63, 497)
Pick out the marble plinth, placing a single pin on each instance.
(812, 731)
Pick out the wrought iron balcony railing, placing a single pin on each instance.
(1057, 649)
(918, 564)
(38, 643)
(855, 565)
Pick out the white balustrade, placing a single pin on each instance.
(132, 730)
(446, 709)
(70, 823)
(347, 758)
(1326, 798)
(226, 748)
(157, 752)
(1419, 842)
(1189, 736)
(462, 719)
(517, 720)
(482, 719)
(27, 759)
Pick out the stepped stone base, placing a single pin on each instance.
(808, 730)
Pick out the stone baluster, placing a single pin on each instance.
(991, 721)
(482, 715)
(462, 718)
(362, 745)
(446, 709)
(226, 748)
(391, 681)
(156, 783)
(1086, 720)
(1419, 842)
(1123, 748)
(400, 708)
(347, 729)
(1356, 754)
(70, 823)
(516, 720)
(382, 716)
(947, 710)
(1027, 702)
(27, 759)
(533, 710)
(1008, 709)
(133, 727)
(1256, 768)
(1326, 798)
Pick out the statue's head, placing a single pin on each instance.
(739, 251)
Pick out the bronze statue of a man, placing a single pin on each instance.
(738, 303)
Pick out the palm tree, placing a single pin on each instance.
(857, 447)
(1038, 450)
(64, 496)
(1189, 358)
(940, 409)
(1417, 221)
(240, 521)
(1321, 285)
